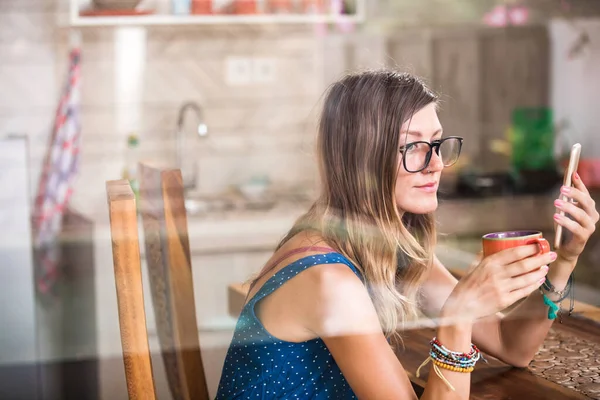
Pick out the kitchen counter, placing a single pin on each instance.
(247, 228)
(477, 216)
(233, 230)
(238, 233)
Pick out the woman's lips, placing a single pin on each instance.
(429, 188)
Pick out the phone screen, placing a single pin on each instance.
(572, 167)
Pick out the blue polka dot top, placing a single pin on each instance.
(260, 366)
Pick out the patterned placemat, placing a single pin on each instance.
(569, 361)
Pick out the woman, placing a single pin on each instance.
(360, 264)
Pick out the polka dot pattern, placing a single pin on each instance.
(261, 366)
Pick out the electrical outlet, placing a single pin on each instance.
(238, 71)
(264, 70)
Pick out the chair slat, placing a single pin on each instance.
(169, 263)
(130, 297)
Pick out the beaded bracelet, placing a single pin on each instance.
(554, 310)
(562, 294)
(441, 357)
(452, 368)
(455, 359)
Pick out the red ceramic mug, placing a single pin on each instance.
(497, 241)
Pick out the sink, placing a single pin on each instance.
(202, 205)
(198, 204)
(205, 205)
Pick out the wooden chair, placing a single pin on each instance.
(170, 271)
(168, 259)
(130, 296)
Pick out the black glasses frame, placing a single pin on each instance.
(434, 144)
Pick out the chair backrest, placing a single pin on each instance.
(130, 296)
(169, 264)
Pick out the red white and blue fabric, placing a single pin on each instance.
(56, 183)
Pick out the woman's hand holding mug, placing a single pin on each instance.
(513, 265)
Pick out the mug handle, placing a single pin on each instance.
(542, 243)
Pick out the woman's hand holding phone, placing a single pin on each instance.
(575, 200)
(567, 182)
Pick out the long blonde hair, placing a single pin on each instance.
(356, 212)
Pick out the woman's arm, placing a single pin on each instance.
(516, 336)
(524, 328)
(513, 338)
(349, 326)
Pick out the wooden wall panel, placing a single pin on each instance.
(411, 51)
(456, 77)
(482, 74)
(515, 71)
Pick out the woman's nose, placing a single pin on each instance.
(436, 163)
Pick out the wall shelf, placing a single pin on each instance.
(166, 20)
(75, 19)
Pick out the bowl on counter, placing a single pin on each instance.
(253, 191)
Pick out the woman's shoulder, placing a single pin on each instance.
(342, 300)
(319, 290)
(331, 276)
(335, 299)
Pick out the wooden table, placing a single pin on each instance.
(497, 380)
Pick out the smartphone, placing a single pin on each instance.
(573, 164)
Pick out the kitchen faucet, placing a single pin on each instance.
(202, 130)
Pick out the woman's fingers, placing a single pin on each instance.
(529, 264)
(578, 183)
(580, 194)
(537, 276)
(518, 294)
(514, 254)
(573, 226)
(578, 214)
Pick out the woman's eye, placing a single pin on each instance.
(410, 149)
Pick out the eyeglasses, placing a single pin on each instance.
(417, 155)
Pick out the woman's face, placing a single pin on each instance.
(417, 192)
